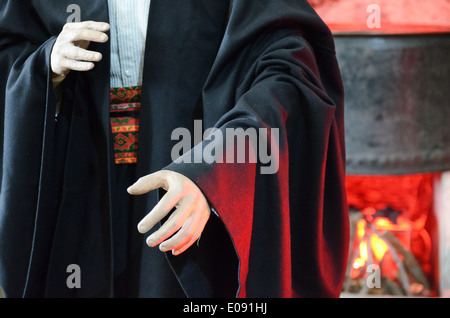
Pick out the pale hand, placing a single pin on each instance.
(185, 225)
(70, 52)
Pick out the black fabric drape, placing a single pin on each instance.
(232, 64)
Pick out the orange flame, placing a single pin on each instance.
(370, 242)
(379, 247)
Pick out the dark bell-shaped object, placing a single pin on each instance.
(397, 100)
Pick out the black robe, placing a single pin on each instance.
(237, 63)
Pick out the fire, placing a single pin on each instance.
(379, 247)
(371, 247)
(359, 263)
(363, 250)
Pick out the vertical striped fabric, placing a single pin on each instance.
(129, 20)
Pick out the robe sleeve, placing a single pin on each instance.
(28, 109)
(288, 223)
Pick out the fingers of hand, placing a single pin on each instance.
(188, 234)
(73, 44)
(76, 65)
(91, 25)
(75, 35)
(69, 52)
(189, 220)
(164, 206)
(79, 54)
(173, 224)
(149, 183)
(186, 223)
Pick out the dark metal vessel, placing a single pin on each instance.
(397, 88)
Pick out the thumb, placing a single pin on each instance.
(149, 183)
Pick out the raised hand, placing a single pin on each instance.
(70, 50)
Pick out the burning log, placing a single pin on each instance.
(409, 261)
(374, 242)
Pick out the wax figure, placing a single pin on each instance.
(65, 191)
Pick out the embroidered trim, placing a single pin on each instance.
(124, 117)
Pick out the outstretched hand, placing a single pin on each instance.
(186, 223)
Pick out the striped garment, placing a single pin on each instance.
(129, 21)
